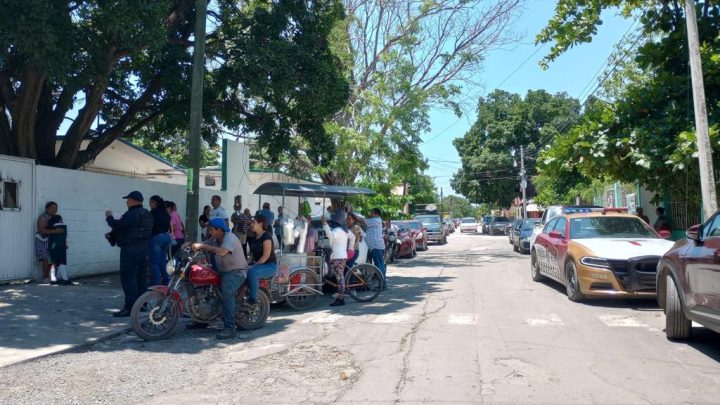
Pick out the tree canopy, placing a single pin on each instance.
(642, 129)
(270, 74)
(506, 121)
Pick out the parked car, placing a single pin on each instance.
(468, 224)
(406, 239)
(420, 234)
(688, 281)
(486, 224)
(521, 240)
(498, 224)
(435, 230)
(599, 254)
(514, 225)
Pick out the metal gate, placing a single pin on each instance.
(17, 218)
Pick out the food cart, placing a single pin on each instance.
(301, 275)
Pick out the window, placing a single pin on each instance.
(560, 226)
(549, 226)
(209, 181)
(10, 194)
(712, 229)
(609, 227)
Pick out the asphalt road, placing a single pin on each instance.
(461, 323)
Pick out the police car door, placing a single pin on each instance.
(542, 243)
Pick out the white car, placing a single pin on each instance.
(468, 225)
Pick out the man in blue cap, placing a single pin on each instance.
(132, 232)
(231, 263)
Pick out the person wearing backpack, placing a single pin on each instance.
(132, 233)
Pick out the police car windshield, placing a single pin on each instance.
(609, 227)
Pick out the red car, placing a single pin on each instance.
(420, 233)
(406, 239)
(688, 281)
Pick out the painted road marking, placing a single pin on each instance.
(546, 320)
(462, 319)
(621, 321)
(323, 318)
(393, 318)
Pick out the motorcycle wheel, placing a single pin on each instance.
(146, 319)
(251, 317)
(303, 298)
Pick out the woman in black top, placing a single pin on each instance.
(263, 256)
(159, 241)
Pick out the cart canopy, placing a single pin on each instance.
(310, 190)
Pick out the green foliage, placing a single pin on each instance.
(505, 122)
(270, 74)
(175, 149)
(458, 206)
(645, 132)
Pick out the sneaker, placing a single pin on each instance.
(338, 302)
(196, 325)
(46, 280)
(226, 333)
(251, 301)
(66, 282)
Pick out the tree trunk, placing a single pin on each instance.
(25, 112)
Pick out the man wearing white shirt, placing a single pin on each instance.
(217, 211)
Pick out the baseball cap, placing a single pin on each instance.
(135, 195)
(219, 223)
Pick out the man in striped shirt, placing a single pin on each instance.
(376, 242)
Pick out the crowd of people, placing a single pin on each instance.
(242, 245)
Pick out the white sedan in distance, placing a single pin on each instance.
(468, 225)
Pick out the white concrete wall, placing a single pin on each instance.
(83, 197)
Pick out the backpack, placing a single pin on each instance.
(145, 225)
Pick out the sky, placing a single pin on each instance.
(573, 73)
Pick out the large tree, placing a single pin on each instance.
(507, 121)
(127, 66)
(642, 128)
(402, 58)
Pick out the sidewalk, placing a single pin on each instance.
(37, 319)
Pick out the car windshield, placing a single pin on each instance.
(609, 227)
(415, 225)
(401, 225)
(429, 220)
(468, 221)
(501, 219)
(528, 225)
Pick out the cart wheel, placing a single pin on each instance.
(363, 282)
(303, 297)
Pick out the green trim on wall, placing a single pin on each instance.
(224, 165)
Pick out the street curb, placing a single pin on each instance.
(71, 349)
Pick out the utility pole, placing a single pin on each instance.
(196, 95)
(523, 182)
(707, 176)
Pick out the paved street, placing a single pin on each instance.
(461, 323)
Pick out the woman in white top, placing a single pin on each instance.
(339, 243)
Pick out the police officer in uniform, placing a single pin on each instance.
(132, 234)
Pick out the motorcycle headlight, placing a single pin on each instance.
(170, 267)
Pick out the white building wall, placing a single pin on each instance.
(83, 198)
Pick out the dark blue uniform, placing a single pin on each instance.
(132, 238)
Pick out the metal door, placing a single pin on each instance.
(17, 218)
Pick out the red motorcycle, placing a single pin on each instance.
(194, 289)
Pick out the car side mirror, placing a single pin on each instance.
(555, 235)
(693, 232)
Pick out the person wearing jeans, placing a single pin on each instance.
(376, 242)
(159, 241)
(263, 256)
(232, 266)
